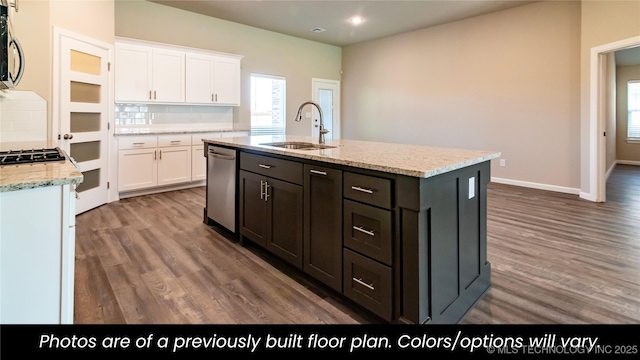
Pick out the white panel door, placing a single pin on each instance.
(133, 73)
(168, 76)
(226, 81)
(198, 163)
(82, 111)
(326, 93)
(174, 165)
(199, 79)
(137, 169)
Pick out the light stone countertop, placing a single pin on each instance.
(30, 176)
(150, 130)
(402, 159)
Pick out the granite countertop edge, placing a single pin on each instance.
(411, 171)
(171, 131)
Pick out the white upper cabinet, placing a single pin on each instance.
(147, 74)
(168, 76)
(133, 72)
(150, 72)
(212, 80)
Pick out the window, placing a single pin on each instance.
(633, 104)
(267, 105)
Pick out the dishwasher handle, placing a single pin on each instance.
(221, 156)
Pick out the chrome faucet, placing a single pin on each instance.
(322, 129)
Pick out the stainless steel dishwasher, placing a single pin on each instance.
(221, 186)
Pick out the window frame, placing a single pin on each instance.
(636, 109)
(255, 130)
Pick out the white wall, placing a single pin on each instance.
(507, 81)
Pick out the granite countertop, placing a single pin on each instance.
(402, 159)
(30, 176)
(152, 130)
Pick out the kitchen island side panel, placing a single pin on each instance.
(443, 236)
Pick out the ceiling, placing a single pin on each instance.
(381, 17)
(628, 57)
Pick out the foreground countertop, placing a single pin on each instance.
(402, 159)
(30, 176)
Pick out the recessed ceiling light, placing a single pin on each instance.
(356, 20)
(318, 30)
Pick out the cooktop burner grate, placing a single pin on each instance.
(29, 156)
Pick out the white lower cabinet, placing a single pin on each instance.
(137, 169)
(37, 262)
(174, 165)
(145, 162)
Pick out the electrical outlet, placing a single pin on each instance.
(503, 162)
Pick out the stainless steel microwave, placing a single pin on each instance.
(11, 55)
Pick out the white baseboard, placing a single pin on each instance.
(587, 196)
(606, 176)
(628, 162)
(562, 189)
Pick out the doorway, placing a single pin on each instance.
(597, 125)
(81, 111)
(326, 93)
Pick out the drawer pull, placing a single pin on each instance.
(358, 188)
(318, 172)
(368, 286)
(138, 143)
(265, 166)
(371, 233)
(176, 141)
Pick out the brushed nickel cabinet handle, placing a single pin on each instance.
(160, 154)
(212, 98)
(368, 286)
(261, 190)
(149, 94)
(368, 232)
(265, 166)
(318, 172)
(176, 141)
(138, 143)
(358, 188)
(266, 190)
(154, 94)
(155, 152)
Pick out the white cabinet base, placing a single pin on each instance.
(37, 259)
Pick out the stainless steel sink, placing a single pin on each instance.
(297, 145)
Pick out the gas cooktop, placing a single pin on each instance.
(17, 157)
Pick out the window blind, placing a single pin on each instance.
(633, 104)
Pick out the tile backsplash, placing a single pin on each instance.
(23, 116)
(155, 114)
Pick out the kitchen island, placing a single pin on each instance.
(37, 237)
(400, 230)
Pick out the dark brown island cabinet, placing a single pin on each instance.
(408, 249)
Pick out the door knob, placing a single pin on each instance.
(68, 136)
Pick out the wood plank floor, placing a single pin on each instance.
(555, 259)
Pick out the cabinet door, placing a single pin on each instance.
(285, 220)
(174, 165)
(132, 73)
(168, 76)
(199, 79)
(253, 207)
(226, 81)
(137, 169)
(198, 163)
(323, 224)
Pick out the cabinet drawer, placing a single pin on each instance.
(286, 170)
(137, 142)
(368, 283)
(368, 230)
(368, 189)
(174, 140)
